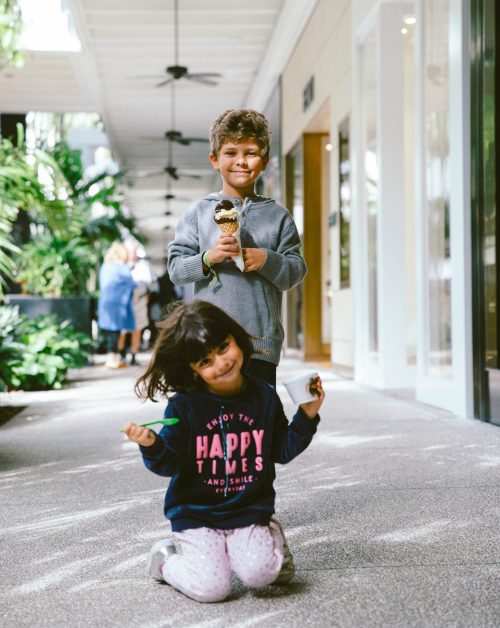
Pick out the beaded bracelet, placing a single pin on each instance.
(204, 259)
(214, 282)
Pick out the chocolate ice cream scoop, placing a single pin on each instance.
(226, 216)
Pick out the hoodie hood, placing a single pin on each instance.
(253, 201)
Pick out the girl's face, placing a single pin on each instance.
(221, 368)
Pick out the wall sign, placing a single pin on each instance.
(308, 93)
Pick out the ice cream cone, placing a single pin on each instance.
(228, 227)
(226, 217)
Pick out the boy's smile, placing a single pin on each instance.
(239, 163)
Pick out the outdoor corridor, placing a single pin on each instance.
(392, 515)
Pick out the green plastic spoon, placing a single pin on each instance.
(171, 421)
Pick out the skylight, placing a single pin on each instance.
(48, 26)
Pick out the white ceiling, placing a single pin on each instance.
(127, 44)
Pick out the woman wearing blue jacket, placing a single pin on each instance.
(115, 311)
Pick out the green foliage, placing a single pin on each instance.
(37, 354)
(7, 248)
(70, 240)
(86, 193)
(11, 25)
(51, 266)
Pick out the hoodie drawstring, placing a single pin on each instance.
(224, 449)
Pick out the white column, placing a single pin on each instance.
(395, 371)
(390, 368)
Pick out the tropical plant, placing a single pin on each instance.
(61, 259)
(37, 354)
(55, 267)
(70, 238)
(100, 189)
(11, 25)
(7, 247)
(20, 189)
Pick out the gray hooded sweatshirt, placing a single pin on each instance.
(253, 299)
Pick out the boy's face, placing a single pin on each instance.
(239, 164)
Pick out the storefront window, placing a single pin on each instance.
(295, 203)
(370, 186)
(269, 183)
(345, 205)
(408, 35)
(437, 185)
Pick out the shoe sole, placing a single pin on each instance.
(287, 572)
(155, 572)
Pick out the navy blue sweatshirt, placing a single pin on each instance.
(221, 456)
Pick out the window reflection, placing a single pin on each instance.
(295, 201)
(370, 191)
(437, 185)
(345, 205)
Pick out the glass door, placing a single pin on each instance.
(295, 203)
(485, 145)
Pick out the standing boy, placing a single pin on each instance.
(270, 243)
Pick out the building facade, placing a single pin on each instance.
(388, 127)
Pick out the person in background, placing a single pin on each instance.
(114, 309)
(145, 277)
(159, 300)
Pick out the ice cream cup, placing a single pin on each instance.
(298, 387)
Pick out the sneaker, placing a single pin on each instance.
(287, 572)
(159, 554)
(114, 363)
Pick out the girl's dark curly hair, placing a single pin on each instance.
(188, 333)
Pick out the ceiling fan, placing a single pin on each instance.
(177, 71)
(171, 197)
(171, 137)
(177, 137)
(173, 172)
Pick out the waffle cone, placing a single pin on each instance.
(228, 227)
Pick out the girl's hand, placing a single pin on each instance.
(311, 408)
(226, 247)
(140, 435)
(253, 258)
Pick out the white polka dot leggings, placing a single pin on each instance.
(203, 570)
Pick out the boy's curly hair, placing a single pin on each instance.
(188, 333)
(237, 125)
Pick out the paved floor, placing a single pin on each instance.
(392, 514)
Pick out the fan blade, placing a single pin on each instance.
(189, 176)
(172, 197)
(147, 77)
(165, 82)
(206, 74)
(197, 139)
(199, 79)
(156, 173)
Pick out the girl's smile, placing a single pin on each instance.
(221, 368)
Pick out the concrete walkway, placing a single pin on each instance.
(392, 514)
